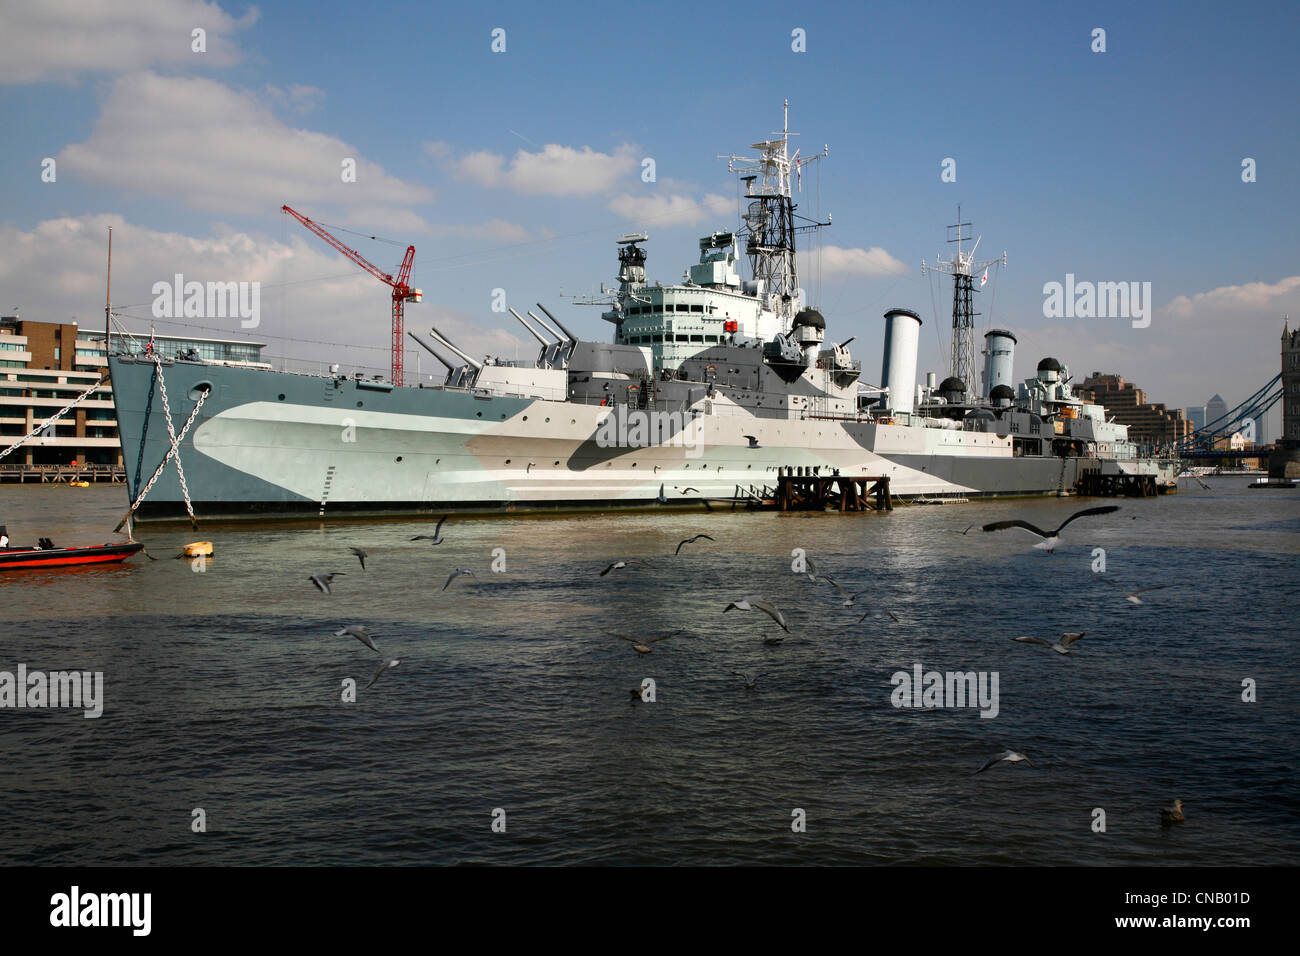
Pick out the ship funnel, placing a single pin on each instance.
(439, 337)
(999, 359)
(898, 373)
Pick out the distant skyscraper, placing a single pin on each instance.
(1215, 409)
(1196, 415)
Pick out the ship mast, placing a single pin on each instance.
(770, 226)
(962, 267)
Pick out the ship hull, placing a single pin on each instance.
(271, 443)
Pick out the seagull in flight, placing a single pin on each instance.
(752, 602)
(810, 569)
(686, 491)
(753, 442)
(361, 556)
(1061, 647)
(661, 497)
(383, 669)
(455, 574)
(436, 537)
(848, 598)
(323, 580)
(361, 633)
(691, 541)
(877, 611)
(642, 645)
(620, 565)
(1050, 538)
(1010, 756)
(749, 681)
(1132, 596)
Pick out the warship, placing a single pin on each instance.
(709, 389)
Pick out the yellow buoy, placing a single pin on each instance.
(198, 549)
(79, 484)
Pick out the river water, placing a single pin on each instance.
(222, 686)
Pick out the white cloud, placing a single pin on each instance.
(836, 260)
(553, 171)
(309, 293)
(220, 149)
(1253, 296)
(59, 40)
(1224, 340)
(671, 210)
(297, 97)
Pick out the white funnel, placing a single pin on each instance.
(898, 372)
(999, 359)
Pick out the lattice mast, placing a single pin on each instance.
(770, 220)
(963, 267)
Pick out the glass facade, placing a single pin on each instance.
(205, 349)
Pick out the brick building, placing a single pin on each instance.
(1148, 423)
(44, 365)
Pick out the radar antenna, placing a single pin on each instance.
(962, 266)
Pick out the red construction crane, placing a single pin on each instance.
(402, 291)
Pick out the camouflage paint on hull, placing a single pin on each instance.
(274, 443)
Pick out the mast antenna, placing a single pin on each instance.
(962, 266)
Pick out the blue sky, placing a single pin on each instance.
(1115, 166)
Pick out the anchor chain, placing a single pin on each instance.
(55, 417)
(173, 451)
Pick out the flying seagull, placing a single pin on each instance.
(620, 565)
(384, 667)
(661, 497)
(1173, 815)
(753, 442)
(361, 556)
(361, 633)
(1010, 756)
(810, 569)
(455, 574)
(1050, 538)
(436, 537)
(877, 611)
(1061, 647)
(848, 598)
(1132, 596)
(687, 491)
(752, 602)
(642, 645)
(749, 681)
(323, 580)
(690, 541)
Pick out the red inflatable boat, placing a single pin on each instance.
(60, 557)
